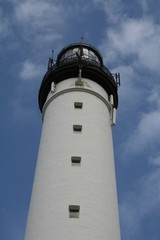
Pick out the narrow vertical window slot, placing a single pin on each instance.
(77, 128)
(78, 105)
(76, 160)
(74, 211)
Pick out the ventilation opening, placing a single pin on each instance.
(74, 211)
(78, 105)
(77, 128)
(75, 160)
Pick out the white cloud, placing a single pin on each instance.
(136, 40)
(128, 89)
(146, 135)
(144, 4)
(138, 204)
(129, 46)
(39, 13)
(40, 22)
(30, 71)
(5, 29)
(49, 37)
(155, 160)
(45, 22)
(149, 51)
(133, 47)
(144, 138)
(114, 10)
(154, 96)
(131, 33)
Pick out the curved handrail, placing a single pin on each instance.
(80, 63)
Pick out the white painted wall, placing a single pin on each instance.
(58, 184)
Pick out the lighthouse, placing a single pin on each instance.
(74, 192)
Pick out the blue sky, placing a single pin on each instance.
(128, 36)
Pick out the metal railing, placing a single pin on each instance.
(115, 78)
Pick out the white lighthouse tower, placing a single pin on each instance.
(74, 192)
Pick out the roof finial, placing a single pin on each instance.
(81, 38)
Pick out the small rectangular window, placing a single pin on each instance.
(77, 128)
(74, 211)
(75, 160)
(78, 105)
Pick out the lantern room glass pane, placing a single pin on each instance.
(68, 54)
(83, 52)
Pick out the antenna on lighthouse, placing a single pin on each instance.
(51, 61)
